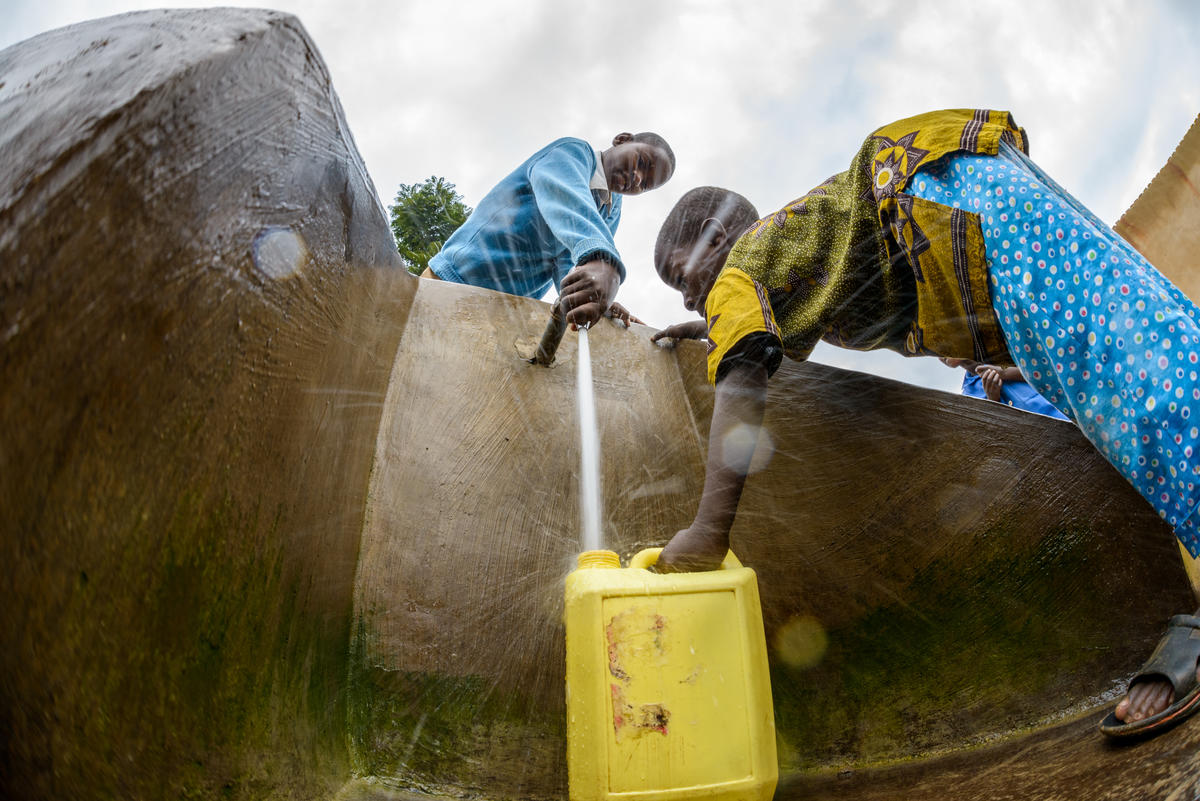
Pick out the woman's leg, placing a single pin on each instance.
(1095, 329)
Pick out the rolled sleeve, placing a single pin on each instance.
(560, 183)
(741, 325)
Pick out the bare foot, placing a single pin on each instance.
(1146, 698)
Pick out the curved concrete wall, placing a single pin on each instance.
(283, 521)
(200, 306)
(1162, 222)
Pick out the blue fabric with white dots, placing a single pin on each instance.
(1094, 327)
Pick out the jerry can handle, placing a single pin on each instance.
(646, 558)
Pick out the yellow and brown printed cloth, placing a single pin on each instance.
(860, 264)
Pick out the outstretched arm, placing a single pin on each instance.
(693, 329)
(1011, 373)
(741, 399)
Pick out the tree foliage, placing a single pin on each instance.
(423, 217)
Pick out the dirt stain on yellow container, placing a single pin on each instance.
(668, 690)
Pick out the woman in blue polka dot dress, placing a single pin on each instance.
(951, 195)
(1100, 333)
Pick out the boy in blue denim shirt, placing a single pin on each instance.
(551, 222)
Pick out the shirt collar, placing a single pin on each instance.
(599, 183)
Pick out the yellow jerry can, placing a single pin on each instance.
(668, 690)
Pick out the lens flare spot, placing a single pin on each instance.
(801, 642)
(747, 449)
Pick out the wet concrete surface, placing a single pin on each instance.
(1060, 763)
(1066, 762)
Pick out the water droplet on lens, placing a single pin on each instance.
(279, 252)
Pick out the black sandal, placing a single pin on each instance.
(1174, 659)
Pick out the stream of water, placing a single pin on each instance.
(589, 441)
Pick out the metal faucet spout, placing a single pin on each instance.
(551, 337)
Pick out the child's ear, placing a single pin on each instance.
(622, 138)
(713, 232)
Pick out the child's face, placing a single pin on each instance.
(692, 269)
(635, 167)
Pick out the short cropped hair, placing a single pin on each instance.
(686, 220)
(654, 140)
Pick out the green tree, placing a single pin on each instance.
(423, 217)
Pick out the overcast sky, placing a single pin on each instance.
(766, 97)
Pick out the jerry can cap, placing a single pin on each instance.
(599, 558)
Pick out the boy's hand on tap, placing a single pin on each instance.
(588, 290)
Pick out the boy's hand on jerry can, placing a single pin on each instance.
(588, 290)
(692, 550)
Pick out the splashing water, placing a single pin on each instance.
(589, 447)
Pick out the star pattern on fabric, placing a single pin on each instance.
(904, 219)
(802, 285)
(835, 334)
(819, 189)
(894, 162)
(796, 207)
(916, 339)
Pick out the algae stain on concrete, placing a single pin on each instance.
(968, 653)
(448, 735)
(184, 639)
